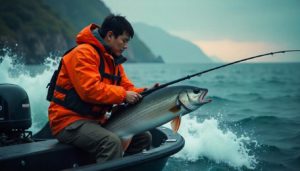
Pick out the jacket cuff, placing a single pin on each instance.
(139, 90)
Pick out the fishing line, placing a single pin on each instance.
(212, 69)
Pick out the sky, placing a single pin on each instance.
(226, 29)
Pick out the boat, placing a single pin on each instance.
(20, 150)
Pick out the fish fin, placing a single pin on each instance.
(126, 142)
(176, 123)
(175, 109)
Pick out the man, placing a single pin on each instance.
(90, 80)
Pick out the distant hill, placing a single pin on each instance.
(80, 13)
(34, 28)
(171, 48)
(31, 30)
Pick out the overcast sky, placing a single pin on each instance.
(227, 29)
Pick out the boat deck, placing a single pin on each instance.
(52, 155)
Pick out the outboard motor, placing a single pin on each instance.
(15, 116)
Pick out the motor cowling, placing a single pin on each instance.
(14, 108)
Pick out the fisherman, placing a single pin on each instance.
(90, 80)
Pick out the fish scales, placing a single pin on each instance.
(156, 109)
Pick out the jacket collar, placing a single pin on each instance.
(117, 59)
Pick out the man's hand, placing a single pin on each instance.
(132, 97)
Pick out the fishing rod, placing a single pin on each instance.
(209, 70)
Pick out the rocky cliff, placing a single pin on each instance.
(32, 30)
(36, 28)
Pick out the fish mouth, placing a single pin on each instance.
(195, 100)
(202, 99)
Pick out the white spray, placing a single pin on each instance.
(208, 140)
(34, 85)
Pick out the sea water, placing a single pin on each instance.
(252, 123)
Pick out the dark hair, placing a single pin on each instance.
(117, 24)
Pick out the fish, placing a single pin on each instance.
(157, 108)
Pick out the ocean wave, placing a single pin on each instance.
(245, 95)
(272, 81)
(258, 119)
(263, 148)
(255, 97)
(278, 98)
(295, 163)
(208, 140)
(246, 110)
(266, 165)
(34, 85)
(220, 99)
(265, 126)
(275, 158)
(294, 140)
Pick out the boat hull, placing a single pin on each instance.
(52, 155)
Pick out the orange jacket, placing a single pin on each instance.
(80, 70)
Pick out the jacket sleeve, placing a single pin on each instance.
(126, 83)
(84, 75)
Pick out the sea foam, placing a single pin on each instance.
(34, 84)
(208, 140)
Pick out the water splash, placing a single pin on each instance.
(207, 140)
(34, 84)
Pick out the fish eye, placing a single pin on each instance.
(196, 91)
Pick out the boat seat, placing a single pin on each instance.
(46, 155)
(49, 155)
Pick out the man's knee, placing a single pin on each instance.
(114, 141)
(109, 148)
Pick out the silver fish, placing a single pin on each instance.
(156, 109)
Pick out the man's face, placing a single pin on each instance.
(119, 44)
